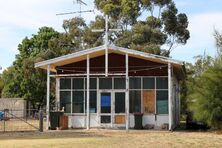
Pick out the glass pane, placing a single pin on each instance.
(93, 102)
(119, 83)
(120, 102)
(149, 101)
(78, 102)
(135, 83)
(161, 83)
(65, 83)
(105, 119)
(148, 83)
(105, 102)
(78, 83)
(65, 101)
(105, 83)
(162, 102)
(92, 83)
(135, 101)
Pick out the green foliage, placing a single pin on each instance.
(25, 81)
(207, 97)
(204, 88)
(164, 25)
(1, 85)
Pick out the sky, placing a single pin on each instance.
(22, 18)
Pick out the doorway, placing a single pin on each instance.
(112, 108)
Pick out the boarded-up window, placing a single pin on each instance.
(149, 101)
(119, 119)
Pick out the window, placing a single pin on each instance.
(105, 83)
(92, 83)
(105, 102)
(120, 102)
(149, 101)
(78, 83)
(65, 101)
(119, 83)
(161, 83)
(135, 83)
(162, 102)
(93, 102)
(135, 101)
(65, 83)
(148, 83)
(78, 102)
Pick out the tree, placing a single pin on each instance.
(25, 81)
(1, 85)
(205, 89)
(163, 24)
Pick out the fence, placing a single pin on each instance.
(21, 120)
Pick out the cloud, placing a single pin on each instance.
(21, 18)
(201, 27)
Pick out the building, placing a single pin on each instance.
(104, 86)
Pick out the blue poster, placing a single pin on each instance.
(105, 101)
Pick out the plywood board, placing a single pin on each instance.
(119, 119)
(149, 101)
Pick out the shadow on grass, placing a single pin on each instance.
(49, 135)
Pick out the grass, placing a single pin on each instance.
(19, 125)
(110, 138)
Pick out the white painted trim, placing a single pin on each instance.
(110, 47)
(169, 96)
(87, 91)
(84, 74)
(127, 92)
(69, 56)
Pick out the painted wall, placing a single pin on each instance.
(79, 121)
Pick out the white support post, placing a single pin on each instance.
(106, 44)
(87, 93)
(127, 93)
(48, 97)
(170, 96)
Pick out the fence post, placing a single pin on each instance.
(40, 120)
(4, 118)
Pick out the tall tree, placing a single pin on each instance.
(163, 24)
(205, 89)
(22, 79)
(1, 85)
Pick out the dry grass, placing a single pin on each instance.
(110, 138)
(19, 125)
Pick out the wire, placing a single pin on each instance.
(131, 70)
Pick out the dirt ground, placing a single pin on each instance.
(100, 138)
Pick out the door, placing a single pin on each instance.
(105, 107)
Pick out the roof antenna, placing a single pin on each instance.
(80, 2)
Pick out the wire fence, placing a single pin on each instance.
(21, 120)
